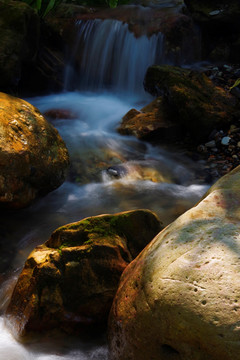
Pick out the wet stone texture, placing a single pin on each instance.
(179, 299)
(69, 282)
(33, 157)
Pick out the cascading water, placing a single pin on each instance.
(109, 172)
(112, 57)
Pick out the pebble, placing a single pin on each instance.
(211, 144)
(225, 154)
(201, 148)
(227, 68)
(225, 140)
(215, 12)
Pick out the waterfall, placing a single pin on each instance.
(109, 56)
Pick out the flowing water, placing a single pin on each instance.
(109, 172)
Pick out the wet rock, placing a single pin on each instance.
(19, 39)
(210, 144)
(69, 282)
(117, 172)
(87, 166)
(193, 100)
(149, 123)
(55, 114)
(33, 157)
(148, 170)
(225, 140)
(179, 298)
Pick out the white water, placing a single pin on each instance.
(112, 57)
(94, 146)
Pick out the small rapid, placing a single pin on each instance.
(112, 57)
(108, 173)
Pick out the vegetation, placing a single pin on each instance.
(110, 3)
(237, 83)
(43, 6)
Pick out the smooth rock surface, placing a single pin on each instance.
(179, 299)
(33, 156)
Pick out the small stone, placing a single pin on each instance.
(237, 72)
(227, 68)
(225, 140)
(210, 144)
(215, 12)
(201, 148)
(235, 157)
(238, 144)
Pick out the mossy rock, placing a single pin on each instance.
(192, 99)
(33, 157)
(69, 282)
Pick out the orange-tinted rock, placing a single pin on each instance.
(55, 114)
(69, 282)
(179, 299)
(193, 101)
(150, 122)
(33, 157)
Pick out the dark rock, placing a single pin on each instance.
(219, 22)
(19, 40)
(69, 282)
(194, 101)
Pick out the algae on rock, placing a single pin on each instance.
(69, 282)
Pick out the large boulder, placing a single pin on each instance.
(19, 39)
(191, 99)
(69, 282)
(179, 299)
(33, 156)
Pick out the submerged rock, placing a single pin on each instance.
(69, 282)
(33, 157)
(179, 299)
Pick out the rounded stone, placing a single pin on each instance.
(33, 156)
(179, 299)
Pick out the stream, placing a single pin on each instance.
(109, 172)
